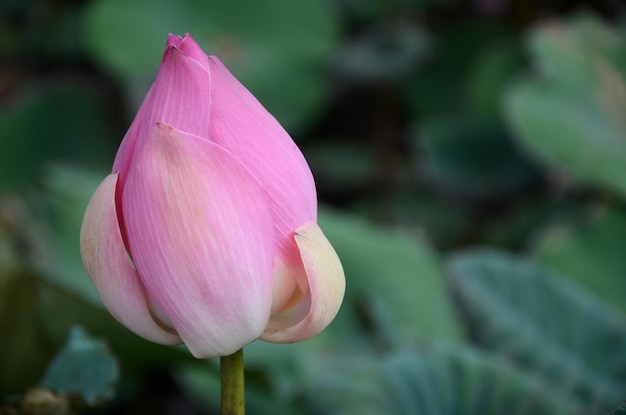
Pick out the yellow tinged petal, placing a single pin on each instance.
(111, 270)
(326, 288)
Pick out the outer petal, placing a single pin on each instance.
(179, 96)
(190, 48)
(240, 124)
(111, 270)
(326, 289)
(200, 232)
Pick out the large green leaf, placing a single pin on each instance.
(65, 122)
(545, 324)
(437, 381)
(395, 287)
(592, 253)
(85, 367)
(276, 48)
(572, 114)
(569, 51)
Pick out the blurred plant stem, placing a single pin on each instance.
(231, 368)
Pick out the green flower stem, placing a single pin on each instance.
(231, 368)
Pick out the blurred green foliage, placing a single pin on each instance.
(571, 112)
(545, 324)
(83, 367)
(470, 157)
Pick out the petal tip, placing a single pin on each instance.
(327, 285)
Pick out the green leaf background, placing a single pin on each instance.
(544, 324)
(571, 112)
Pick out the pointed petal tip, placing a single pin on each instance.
(183, 46)
(163, 126)
(173, 40)
(187, 46)
(176, 40)
(326, 289)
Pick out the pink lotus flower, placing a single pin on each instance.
(205, 233)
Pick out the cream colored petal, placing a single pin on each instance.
(284, 285)
(111, 271)
(326, 287)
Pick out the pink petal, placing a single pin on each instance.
(111, 270)
(173, 40)
(240, 124)
(200, 232)
(190, 48)
(179, 96)
(326, 287)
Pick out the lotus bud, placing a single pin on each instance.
(205, 232)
